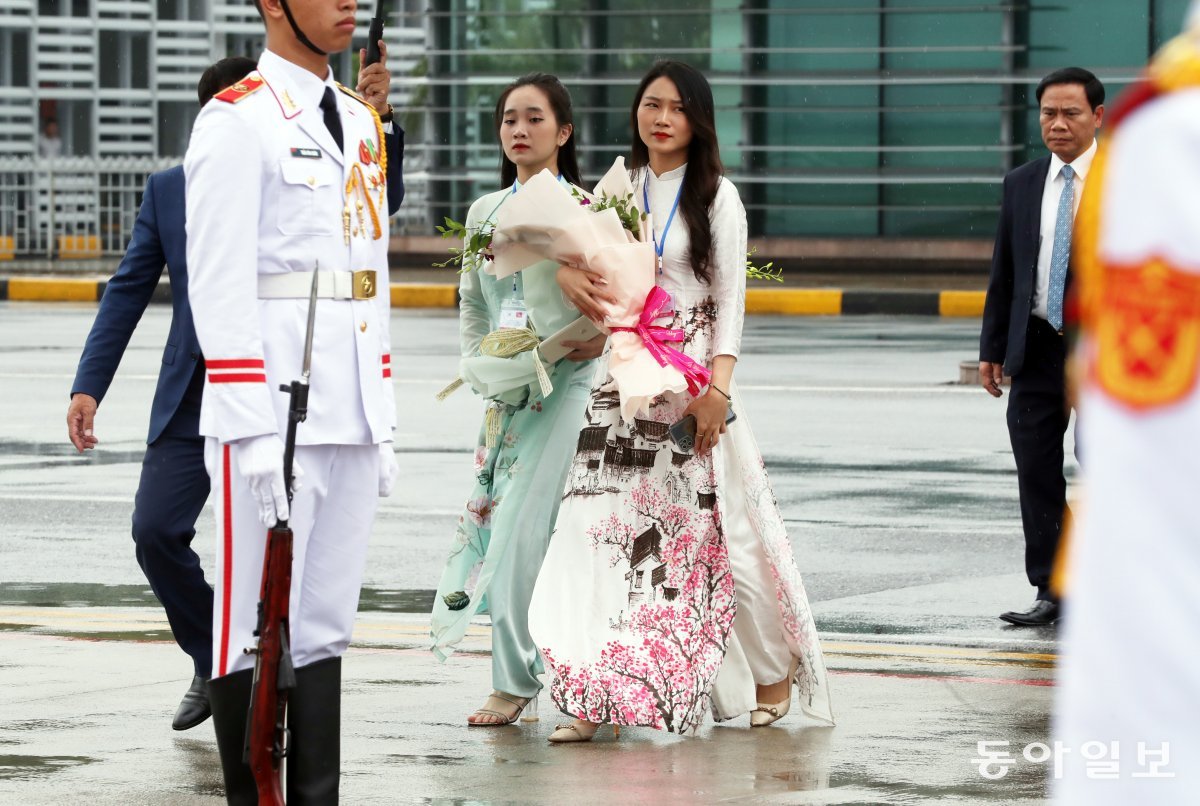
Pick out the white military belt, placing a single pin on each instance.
(330, 285)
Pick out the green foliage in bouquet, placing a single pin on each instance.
(627, 210)
(764, 272)
(478, 244)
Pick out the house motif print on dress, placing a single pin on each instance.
(664, 539)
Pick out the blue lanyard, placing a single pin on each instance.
(660, 244)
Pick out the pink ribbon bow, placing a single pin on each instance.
(654, 338)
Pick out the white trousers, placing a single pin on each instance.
(757, 653)
(331, 517)
(1127, 690)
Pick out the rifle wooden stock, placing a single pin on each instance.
(267, 737)
(274, 676)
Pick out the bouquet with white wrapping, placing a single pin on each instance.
(545, 221)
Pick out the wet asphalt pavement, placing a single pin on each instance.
(899, 492)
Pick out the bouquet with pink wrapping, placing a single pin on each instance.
(545, 221)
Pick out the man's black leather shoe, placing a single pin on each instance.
(1041, 614)
(194, 707)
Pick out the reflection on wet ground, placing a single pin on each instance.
(29, 766)
(87, 594)
(897, 489)
(909, 716)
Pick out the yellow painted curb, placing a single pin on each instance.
(961, 303)
(422, 295)
(940, 653)
(795, 301)
(78, 246)
(41, 289)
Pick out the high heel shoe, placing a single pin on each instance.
(575, 732)
(526, 711)
(765, 714)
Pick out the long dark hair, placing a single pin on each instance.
(560, 104)
(704, 169)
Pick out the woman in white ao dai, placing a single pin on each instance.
(670, 585)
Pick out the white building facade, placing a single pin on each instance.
(117, 78)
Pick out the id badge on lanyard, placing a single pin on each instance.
(512, 310)
(513, 313)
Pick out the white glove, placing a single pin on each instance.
(260, 461)
(389, 469)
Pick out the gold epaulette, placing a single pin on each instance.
(242, 89)
(378, 123)
(353, 95)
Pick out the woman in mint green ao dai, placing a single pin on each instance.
(505, 528)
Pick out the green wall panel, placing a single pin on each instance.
(858, 118)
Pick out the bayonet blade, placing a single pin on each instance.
(312, 321)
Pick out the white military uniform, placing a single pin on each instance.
(269, 195)
(1129, 680)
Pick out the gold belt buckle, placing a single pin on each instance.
(364, 284)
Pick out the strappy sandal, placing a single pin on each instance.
(526, 711)
(567, 734)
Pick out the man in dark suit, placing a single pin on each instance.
(174, 483)
(1023, 316)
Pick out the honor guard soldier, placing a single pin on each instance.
(286, 177)
(1128, 684)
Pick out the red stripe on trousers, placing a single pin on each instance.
(387, 373)
(235, 363)
(387, 358)
(234, 377)
(227, 570)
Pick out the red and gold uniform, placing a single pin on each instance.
(1130, 674)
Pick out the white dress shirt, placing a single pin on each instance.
(1051, 196)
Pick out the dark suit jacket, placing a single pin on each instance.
(1014, 267)
(394, 143)
(159, 238)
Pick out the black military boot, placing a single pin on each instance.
(315, 722)
(229, 697)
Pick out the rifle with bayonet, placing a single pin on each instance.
(274, 675)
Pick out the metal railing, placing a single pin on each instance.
(86, 207)
(72, 206)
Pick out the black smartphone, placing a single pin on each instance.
(683, 433)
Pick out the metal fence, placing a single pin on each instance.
(86, 207)
(74, 206)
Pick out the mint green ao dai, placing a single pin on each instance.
(504, 530)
